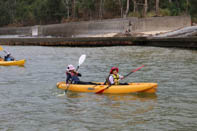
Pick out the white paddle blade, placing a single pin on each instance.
(82, 59)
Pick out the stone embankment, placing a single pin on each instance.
(190, 42)
(114, 32)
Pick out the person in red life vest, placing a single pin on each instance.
(114, 77)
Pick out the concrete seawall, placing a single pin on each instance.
(80, 33)
(107, 41)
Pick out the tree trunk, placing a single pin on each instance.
(121, 8)
(66, 4)
(127, 10)
(101, 9)
(157, 7)
(134, 6)
(187, 6)
(73, 10)
(145, 7)
(170, 1)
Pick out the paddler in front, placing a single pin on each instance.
(73, 76)
(114, 77)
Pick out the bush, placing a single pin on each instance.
(164, 12)
(151, 14)
(134, 14)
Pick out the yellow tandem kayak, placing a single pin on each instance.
(114, 89)
(13, 63)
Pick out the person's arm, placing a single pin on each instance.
(121, 77)
(79, 74)
(111, 80)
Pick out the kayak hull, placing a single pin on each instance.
(13, 63)
(114, 89)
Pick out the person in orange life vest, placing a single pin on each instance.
(73, 76)
(114, 77)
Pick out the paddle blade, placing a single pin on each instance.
(1, 48)
(137, 69)
(101, 91)
(82, 59)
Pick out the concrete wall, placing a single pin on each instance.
(162, 23)
(15, 31)
(88, 28)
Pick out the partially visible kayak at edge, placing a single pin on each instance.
(114, 89)
(13, 63)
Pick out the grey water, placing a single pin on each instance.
(30, 100)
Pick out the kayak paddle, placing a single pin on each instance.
(81, 60)
(102, 90)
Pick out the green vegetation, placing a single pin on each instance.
(32, 12)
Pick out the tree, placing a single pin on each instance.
(127, 9)
(157, 7)
(5, 17)
(67, 5)
(101, 9)
(145, 7)
(134, 6)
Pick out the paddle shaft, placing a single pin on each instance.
(71, 80)
(133, 71)
(102, 90)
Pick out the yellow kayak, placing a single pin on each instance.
(13, 63)
(114, 89)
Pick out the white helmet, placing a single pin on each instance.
(70, 67)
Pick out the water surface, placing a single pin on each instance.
(29, 99)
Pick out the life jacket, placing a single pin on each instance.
(8, 58)
(74, 78)
(116, 79)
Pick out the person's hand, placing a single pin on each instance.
(67, 85)
(116, 81)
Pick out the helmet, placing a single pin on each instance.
(70, 67)
(114, 68)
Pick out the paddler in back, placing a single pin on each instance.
(114, 77)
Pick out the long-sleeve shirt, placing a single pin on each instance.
(111, 79)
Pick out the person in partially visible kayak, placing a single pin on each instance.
(8, 57)
(73, 76)
(114, 77)
(1, 59)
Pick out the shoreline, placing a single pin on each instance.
(186, 42)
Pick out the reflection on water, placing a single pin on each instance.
(31, 101)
